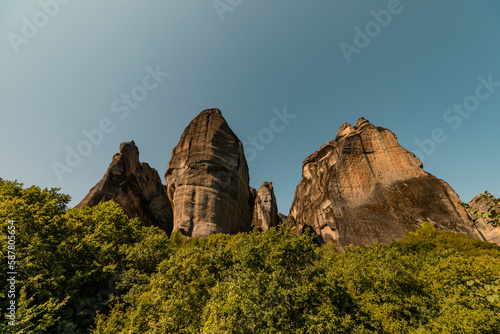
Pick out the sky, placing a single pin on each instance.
(84, 76)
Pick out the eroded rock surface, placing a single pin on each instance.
(265, 211)
(363, 187)
(136, 187)
(207, 179)
(488, 232)
(281, 218)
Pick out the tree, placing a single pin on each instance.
(70, 262)
(492, 212)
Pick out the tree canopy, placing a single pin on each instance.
(94, 270)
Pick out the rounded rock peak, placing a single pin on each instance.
(267, 185)
(129, 151)
(344, 130)
(208, 116)
(127, 146)
(211, 111)
(362, 121)
(129, 157)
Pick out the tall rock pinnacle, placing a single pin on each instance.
(136, 187)
(265, 211)
(363, 187)
(207, 179)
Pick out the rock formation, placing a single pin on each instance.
(360, 188)
(489, 232)
(281, 217)
(207, 179)
(265, 210)
(363, 187)
(136, 187)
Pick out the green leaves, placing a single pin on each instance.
(492, 212)
(68, 259)
(95, 270)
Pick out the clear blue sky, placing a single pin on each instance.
(64, 70)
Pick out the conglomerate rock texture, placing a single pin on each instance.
(363, 187)
(265, 211)
(136, 187)
(207, 179)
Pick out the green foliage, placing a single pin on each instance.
(95, 270)
(492, 213)
(426, 230)
(68, 260)
(274, 286)
(277, 282)
(253, 283)
(429, 243)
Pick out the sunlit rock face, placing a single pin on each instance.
(486, 230)
(136, 187)
(363, 187)
(207, 179)
(265, 211)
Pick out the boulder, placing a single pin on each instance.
(207, 179)
(363, 187)
(136, 187)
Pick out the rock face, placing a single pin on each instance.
(265, 211)
(487, 231)
(136, 187)
(363, 187)
(207, 179)
(281, 217)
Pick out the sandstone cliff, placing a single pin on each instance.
(265, 211)
(363, 187)
(136, 187)
(207, 179)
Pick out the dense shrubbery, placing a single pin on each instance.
(68, 261)
(96, 270)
